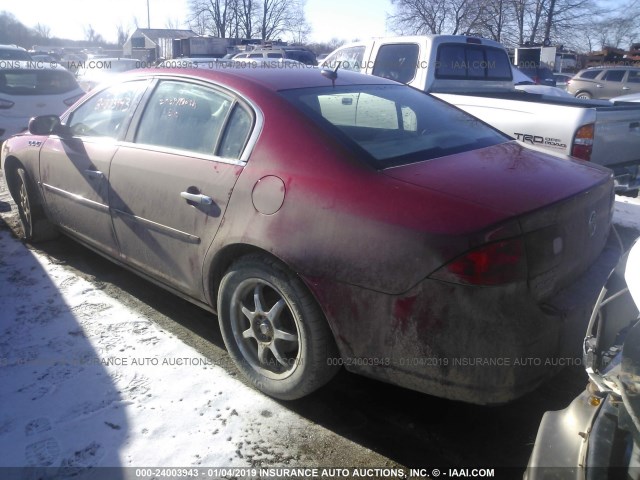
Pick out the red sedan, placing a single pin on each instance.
(328, 221)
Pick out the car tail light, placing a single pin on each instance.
(5, 103)
(491, 264)
(70, 101)
(583, 142)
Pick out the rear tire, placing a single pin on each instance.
(274, 330)
(35, 227)
(584, 95)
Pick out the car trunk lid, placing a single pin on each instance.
(564, 208)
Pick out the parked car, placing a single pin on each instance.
(96, 71)
(329, 219)
(605, 83)
(540, 75)
(562, 80)
(28, 90)
(294, 53)
(526, 84)
(598, 435)
(13, 52)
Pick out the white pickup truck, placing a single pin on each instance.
(476, 75)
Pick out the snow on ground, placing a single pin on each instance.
(85, 381)
(627, 212)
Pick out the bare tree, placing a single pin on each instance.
(246, 14)
(43, 31)
(213, 15)
(123, 34)
(438, 16)
(275, 18)
(91, 35)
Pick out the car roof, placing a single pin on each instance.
(280, 78)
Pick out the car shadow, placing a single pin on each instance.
(61, 412)
(410, 428)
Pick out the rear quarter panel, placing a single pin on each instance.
(340, 218)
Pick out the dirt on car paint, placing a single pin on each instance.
(368, 423)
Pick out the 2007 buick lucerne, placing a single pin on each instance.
(329, 220)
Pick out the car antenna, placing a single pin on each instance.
(331, 73)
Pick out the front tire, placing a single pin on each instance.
(274, 330)
(35, 227)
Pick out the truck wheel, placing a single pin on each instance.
(35, 227)
(584, 95)
(273, 329)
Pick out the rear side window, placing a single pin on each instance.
(614, 75)
(634, 76)
(397, 62)
(236, 134)
(460, 61)
(36, 82)
(590, 74)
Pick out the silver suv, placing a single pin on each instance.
(605, 82)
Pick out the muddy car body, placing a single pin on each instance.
(330, 221)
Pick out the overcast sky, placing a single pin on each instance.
(343, 19)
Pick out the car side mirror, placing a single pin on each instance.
(47, 125)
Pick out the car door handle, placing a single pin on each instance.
(197, 198)
(626, 88)
(94, 174)
(599, 86)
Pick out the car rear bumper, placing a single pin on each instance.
(484, 345)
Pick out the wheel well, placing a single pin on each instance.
(11, 165)
(223, 261)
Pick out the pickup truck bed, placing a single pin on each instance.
(616, 142)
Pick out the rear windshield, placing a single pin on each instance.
(394, 124)
(462, 61)
(36, 82)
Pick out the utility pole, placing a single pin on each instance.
(148, 16)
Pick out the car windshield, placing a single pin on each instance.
(36, 82)
(394, 124)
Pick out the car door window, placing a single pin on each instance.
(614, 76)
(184, 116)
(107, 113)
(350, 58)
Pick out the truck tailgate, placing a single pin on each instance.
(617, 136)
